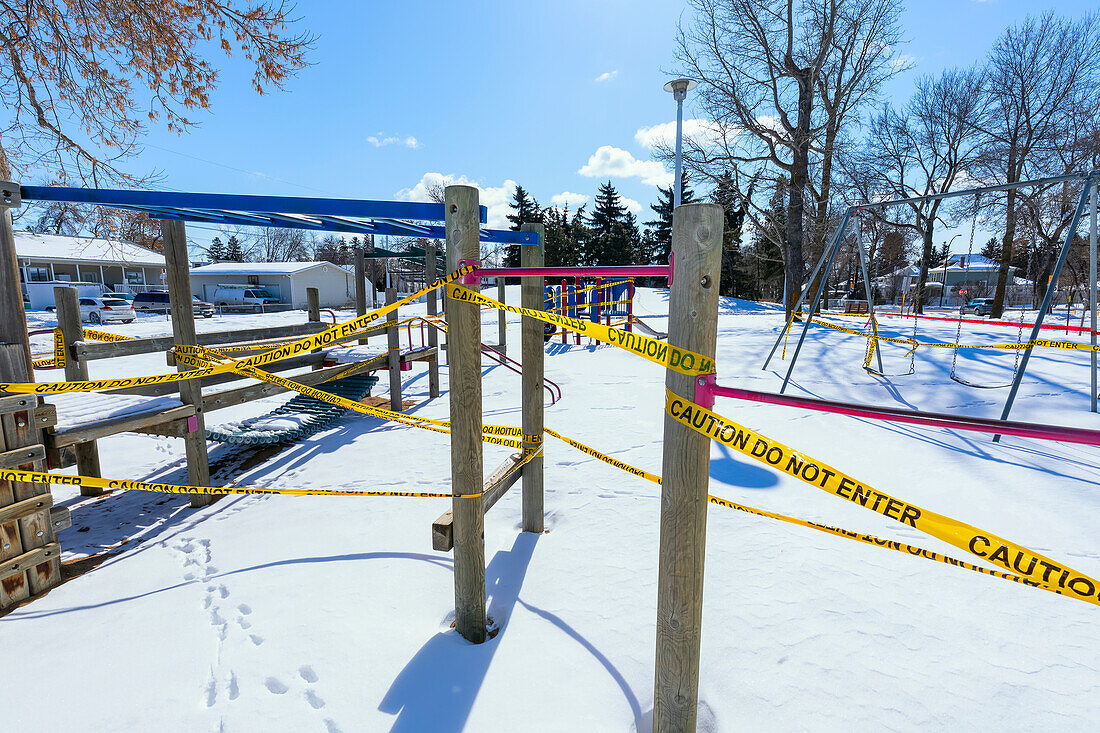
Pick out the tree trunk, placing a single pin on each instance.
(1010, 235)
(918, 299)
(800, 162)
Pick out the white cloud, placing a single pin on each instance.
(606, 76)
(611, 162)
(496, 198)
(381, 139)
(903, 61)
(631, 205)
(665, 133)
(570, 199)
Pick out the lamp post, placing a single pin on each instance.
(679, 89)
(945, 259)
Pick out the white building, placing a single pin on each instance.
(118, 266)
(287, 281)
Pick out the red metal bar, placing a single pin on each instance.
(564, 307)
(933, 419)
(608, 271)
(630, 307)
(577, 284)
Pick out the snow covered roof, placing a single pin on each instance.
(57, 247)
(257, 268)
(975, 262)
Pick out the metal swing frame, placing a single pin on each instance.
(828, 258)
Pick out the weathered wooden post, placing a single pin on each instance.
(374, 282)
(360, 287)
(32, 557)
(177, 265)
(69, 321)
(533, 347)
(502, 322)
(393, 341)
(464, 358)
(313, 314)
(693, 325)
(430, 274)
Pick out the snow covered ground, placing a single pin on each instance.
(323, 613)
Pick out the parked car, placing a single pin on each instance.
(979, 307)
(238, 295)
(158, 302)
(106, 310)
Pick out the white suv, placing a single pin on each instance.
(106, 310)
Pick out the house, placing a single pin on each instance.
(287, 281)
(975, 274)
(118, 266)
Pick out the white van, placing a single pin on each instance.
(239, 295)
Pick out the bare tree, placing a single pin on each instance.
(778, 79)
(923, 149)
(277, 244)
(1038, 72)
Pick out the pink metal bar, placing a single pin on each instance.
(630, 307)
(934, 419)
(609, 271)
(564, 308)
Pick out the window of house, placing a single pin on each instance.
(89, 276)
(253, 279)
(38, 274)
(135, 278)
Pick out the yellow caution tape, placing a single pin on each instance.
(992, 548)
(659, 352)
(104, 336)
(206, 356)
(104, 483)
(309, 343)
(1043, 343)
(605, 458)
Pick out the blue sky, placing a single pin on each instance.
(491, 92)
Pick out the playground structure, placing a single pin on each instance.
(1023, 349)
(689, 426)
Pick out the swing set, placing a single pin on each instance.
(1022, 347)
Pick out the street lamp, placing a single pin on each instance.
(945, 259)
(679, 89)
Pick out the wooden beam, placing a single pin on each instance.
(60, 518)
(159, 390)
(25, 508)
(76, 370)
(496, 486)
(123, 424)
(19, 456)
(17, 403)
(431, 274)
(464, 358)
(92, 350)
(685, 471)
(533, 346)
(313, 309)
(177, 263)
(29, 561)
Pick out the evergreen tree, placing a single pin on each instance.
(233, 251)
(991, 250)
(939, 256)
(662, 225)
(216, 250)
(734, 276)
(526, 211)
(608, 238)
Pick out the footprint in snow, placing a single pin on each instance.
(275, 687)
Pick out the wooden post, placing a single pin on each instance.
(68, 319)
(32, 532)
(373, 283)
(360, 287)
(176, 262)
(464, 357)
(693, 324)
(430, 274)
(502, 322)
(313, 314)
(393, 341)
(533, 346)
